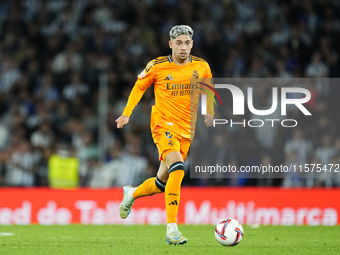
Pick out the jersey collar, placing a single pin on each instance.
(170, 60)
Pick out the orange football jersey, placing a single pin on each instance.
(176, 99)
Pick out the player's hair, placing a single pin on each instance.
(181, 30)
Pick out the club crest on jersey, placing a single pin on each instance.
(171, 143)
(168, 134)
(195, 74)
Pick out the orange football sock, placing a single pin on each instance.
(149, 187)
(172, 194)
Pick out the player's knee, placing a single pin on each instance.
(179, 165)
(172, 157)
(160, 184)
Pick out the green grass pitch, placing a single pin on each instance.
(144, 239)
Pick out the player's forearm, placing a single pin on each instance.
(211, 111)
(210, 106)
(135, 96)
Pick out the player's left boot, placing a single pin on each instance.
(175, 237)
(125, 206)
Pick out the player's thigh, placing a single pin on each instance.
(162, 173)
(172, 157)
(181, 155)
(166, 142)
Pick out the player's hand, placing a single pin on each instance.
(122, 120)
(208, 120)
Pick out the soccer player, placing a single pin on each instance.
(172, 126)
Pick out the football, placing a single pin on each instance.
(229, 232)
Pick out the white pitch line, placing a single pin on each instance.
(6, 234)
(256, 225)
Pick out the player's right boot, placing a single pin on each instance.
(175, 237)
(126, 204)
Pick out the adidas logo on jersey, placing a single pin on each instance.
(168, 77)
(173, 203)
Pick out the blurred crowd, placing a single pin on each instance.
(53, 52)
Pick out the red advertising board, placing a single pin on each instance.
(274, 206)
